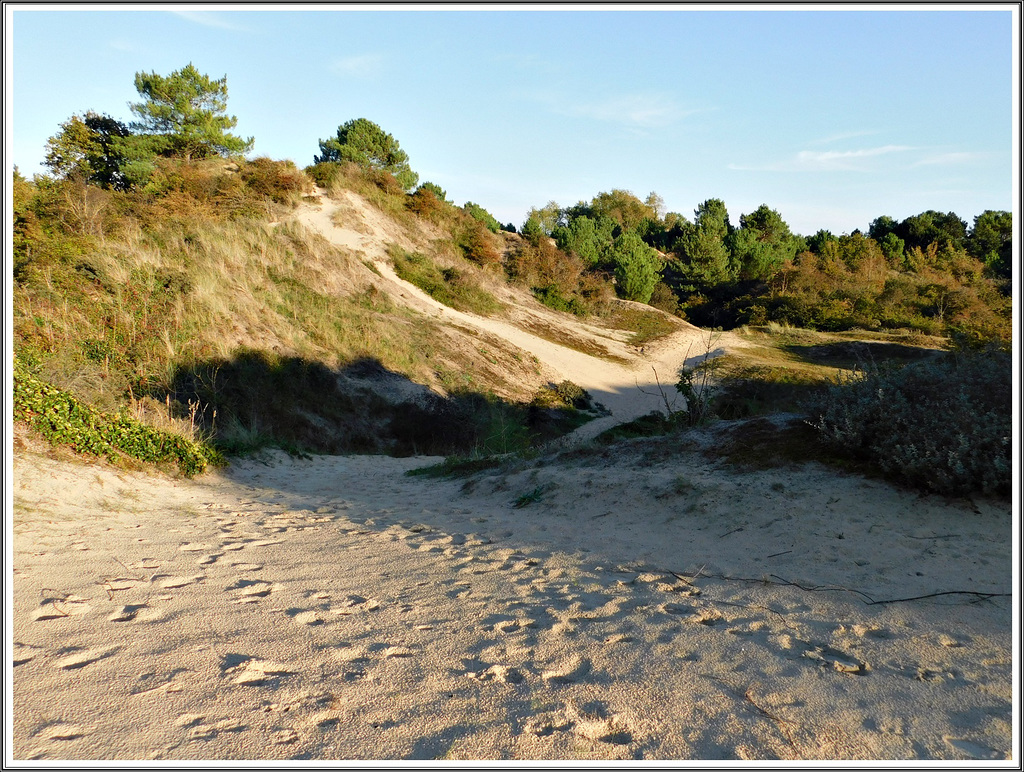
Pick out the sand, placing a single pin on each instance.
(639, 605)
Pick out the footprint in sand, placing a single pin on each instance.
(354, 603)
(247, 566)
(61, 608)
(393, 652)
(127, 613)
(595, 723)
(195, 547)
(265, 542)
(548, 723)
(86, 657)
(839, 660)
(285, 737)
(62, 731)
(304, 616)
(248, 671)
(24, 652)
(502, 674)
(251, 590)
(974, 750)
(198, 729)
(571, 670)
(174, 582)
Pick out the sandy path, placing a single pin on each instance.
(336, 609)
(626, 391)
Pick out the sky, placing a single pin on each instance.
(831, 115)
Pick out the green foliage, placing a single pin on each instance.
(991, 241)
(365, 143)
(586, 237)
(184, 114)
(542, 221)
(762, 245)
(704, 258)
(698, 387)
(623, 207)
(941, 426)
(93, 148)
(563, 395)
(530, 498)
(63, 420)
(451, 286)
(482, 216)
(558, 280)
(439, 193)
(654, 424)
(637, 267)
(923, 229)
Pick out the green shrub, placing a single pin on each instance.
(942, 426)
(451, 286)
(563, 395)
(63, 420)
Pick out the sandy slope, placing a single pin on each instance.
(635, 608)
(627, 391)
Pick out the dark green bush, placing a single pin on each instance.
(942, 426)
(63, 420)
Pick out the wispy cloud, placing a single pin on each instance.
(209, 19)
(360, 66)
(826, 160)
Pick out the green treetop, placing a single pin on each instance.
(184, 111)
(367, 144)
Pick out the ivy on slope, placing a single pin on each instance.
(63, 420)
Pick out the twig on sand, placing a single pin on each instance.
(747, 696)
(865, 598)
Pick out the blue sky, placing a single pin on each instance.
(832, 117)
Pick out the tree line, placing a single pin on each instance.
(930, 272)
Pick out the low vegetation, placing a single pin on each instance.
(160, 311)
(943, 425)
(457, 288)
(65, 421)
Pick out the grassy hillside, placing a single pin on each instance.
(196, 308)
(188, 306)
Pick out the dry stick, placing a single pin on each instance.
(777, 719)
(866, 599)
(747, 698)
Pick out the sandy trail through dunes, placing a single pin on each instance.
(627, 391)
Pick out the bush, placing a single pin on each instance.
(455, 288)
(280, 181)
(942, 426)
(63, 420)
(425, 203)
(478, 245)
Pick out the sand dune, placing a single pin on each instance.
(640, 603)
